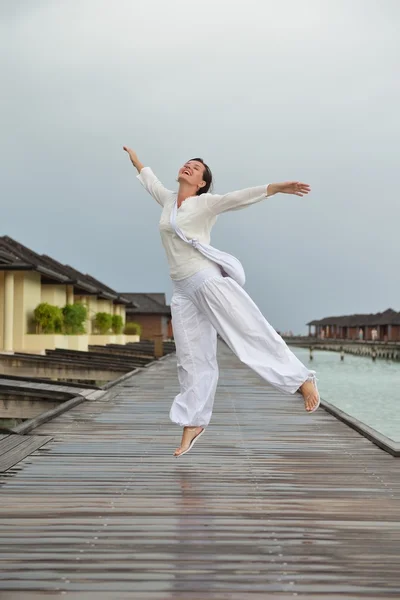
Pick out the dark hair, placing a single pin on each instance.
(207, 177)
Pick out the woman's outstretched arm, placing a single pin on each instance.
(219, 203)
(134, 159)
(148, 179)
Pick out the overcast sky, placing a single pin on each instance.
(263, 90)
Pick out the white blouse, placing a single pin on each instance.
(195, 217)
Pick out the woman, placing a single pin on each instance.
(207, 301)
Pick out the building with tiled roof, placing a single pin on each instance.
(28, 279)
(359, 326)
(152, 313)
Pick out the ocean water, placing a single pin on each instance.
(367, 390)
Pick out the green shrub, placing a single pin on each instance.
(133, 329)
(103, 322)
(117, 324)
(74, 318)
(48, 318)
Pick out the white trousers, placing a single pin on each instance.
(201, 306)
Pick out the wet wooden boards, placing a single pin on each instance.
(272, 503)
(14, 448)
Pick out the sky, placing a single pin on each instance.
(264, 91)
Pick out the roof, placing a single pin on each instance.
(15, 256)
(158, 297)
(388, 317)
(148, 303)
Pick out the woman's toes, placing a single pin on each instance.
(179, 450)
(311, 403)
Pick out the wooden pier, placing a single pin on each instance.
(383, 350)
(272, 503)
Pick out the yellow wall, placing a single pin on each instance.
(96, 305)
(27, 295)
(1, 309)
(32, 297)
(20, 318)
(54, 294)
(105, 306)
(70, 298)
(37, 344)
(91, 304)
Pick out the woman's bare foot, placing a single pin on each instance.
(188, 435)
(310, 395)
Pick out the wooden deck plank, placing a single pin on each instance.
(9, 443)
(17, 447)
(271, 503)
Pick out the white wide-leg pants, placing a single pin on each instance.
(203, 305)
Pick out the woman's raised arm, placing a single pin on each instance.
(148, 179)
(134, 159)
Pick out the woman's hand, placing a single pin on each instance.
(134, 159)
(288, 187)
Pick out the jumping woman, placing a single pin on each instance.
(208, 297)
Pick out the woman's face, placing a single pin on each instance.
(192, 172)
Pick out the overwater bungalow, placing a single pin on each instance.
(384, 327)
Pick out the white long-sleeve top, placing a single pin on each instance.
(195, 217)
